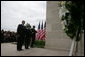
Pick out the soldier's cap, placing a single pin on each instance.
(28, 25)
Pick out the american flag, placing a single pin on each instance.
(43, 32)
(38, 32)
(41, 35)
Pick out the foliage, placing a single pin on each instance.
(74, 18)
(39, 43)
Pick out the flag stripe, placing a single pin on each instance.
(41, 33)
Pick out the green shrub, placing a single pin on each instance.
(39, 43)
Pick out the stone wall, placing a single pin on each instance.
(56, 38)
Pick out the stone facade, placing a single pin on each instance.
(56, 37)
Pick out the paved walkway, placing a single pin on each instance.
(9, 49)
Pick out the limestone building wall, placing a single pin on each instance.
(56, 38)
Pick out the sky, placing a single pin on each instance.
(13, 12)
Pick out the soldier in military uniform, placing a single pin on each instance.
(21, 35)
(33, 36)
(28, 36)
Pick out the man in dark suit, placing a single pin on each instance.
(33, 36)
(21, 35)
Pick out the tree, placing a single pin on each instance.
(74, 19)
